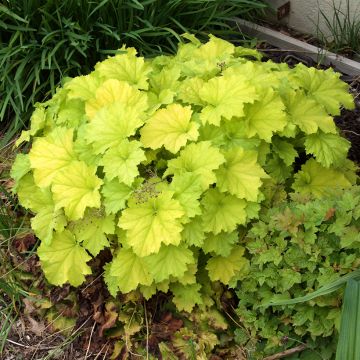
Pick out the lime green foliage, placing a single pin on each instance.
(295, 248)
(42, 42)
(163, 161)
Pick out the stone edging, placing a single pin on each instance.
(275, 38)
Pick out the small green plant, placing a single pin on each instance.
(302, 247)
(166, 161)
(43, 41)
(344, 28)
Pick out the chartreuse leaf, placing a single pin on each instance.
(319, 181)
(92, 230)
(116, 92)
(122, 161)
(38, 122)
(163, 87)
(307, 114)
(193, 232)
(186, 296)
(215, 48)
(329, 149)
(265, 116)
(222, 212)
(241, 175)
(199, 158)
(169, 261)
(125, 67)
(20, 168)
(50, 154)
(325, 87)
(189, 90)
(64, 260)
(189, 276)
(225, 98)
(170, 127)
(187, 190)
(31, 196)
(220, 244)
(110, 281)
(152, 223)
(75, 188)
(115, 195)
(83, 87)
(46, 221)
(111, 125)
(129, 270)
(224, 268)
(284, 150)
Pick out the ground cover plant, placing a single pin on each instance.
(297, 247)
(165, 163)
(43, 41)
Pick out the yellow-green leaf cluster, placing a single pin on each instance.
(162, 161)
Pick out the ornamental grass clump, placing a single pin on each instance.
(166, 161)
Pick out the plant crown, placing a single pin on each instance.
(165, 161)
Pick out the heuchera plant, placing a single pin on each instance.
(165, 160)
(294, 248)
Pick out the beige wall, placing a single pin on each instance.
(304, 14)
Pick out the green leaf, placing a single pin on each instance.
(92, 230)
(169, 261)
(111, 125)
(319, 181)
(170, 127)
(31, 196)
(187, 190)
(225, 268)
(324, 290)
(222, 212)
(308, 115)
(112, 94)
(193, 232)
(201, 159)
(20, 168)
(51, 154)
(288, 278)
(130, 271)
(76, 188)
(225, 98)
(115, 195)
(125, 67)
(241, 175)
(284, 150)
(83, 87)
(266, 116)
(46, 221)
(329, 149)
(64, 260)
(349, 340)
(220, 244)
(186, 296)
(122, 161)
(326, 88)
(152, 223)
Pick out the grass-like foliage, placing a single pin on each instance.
(43, 41)
(344, 28)
(166, 161)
